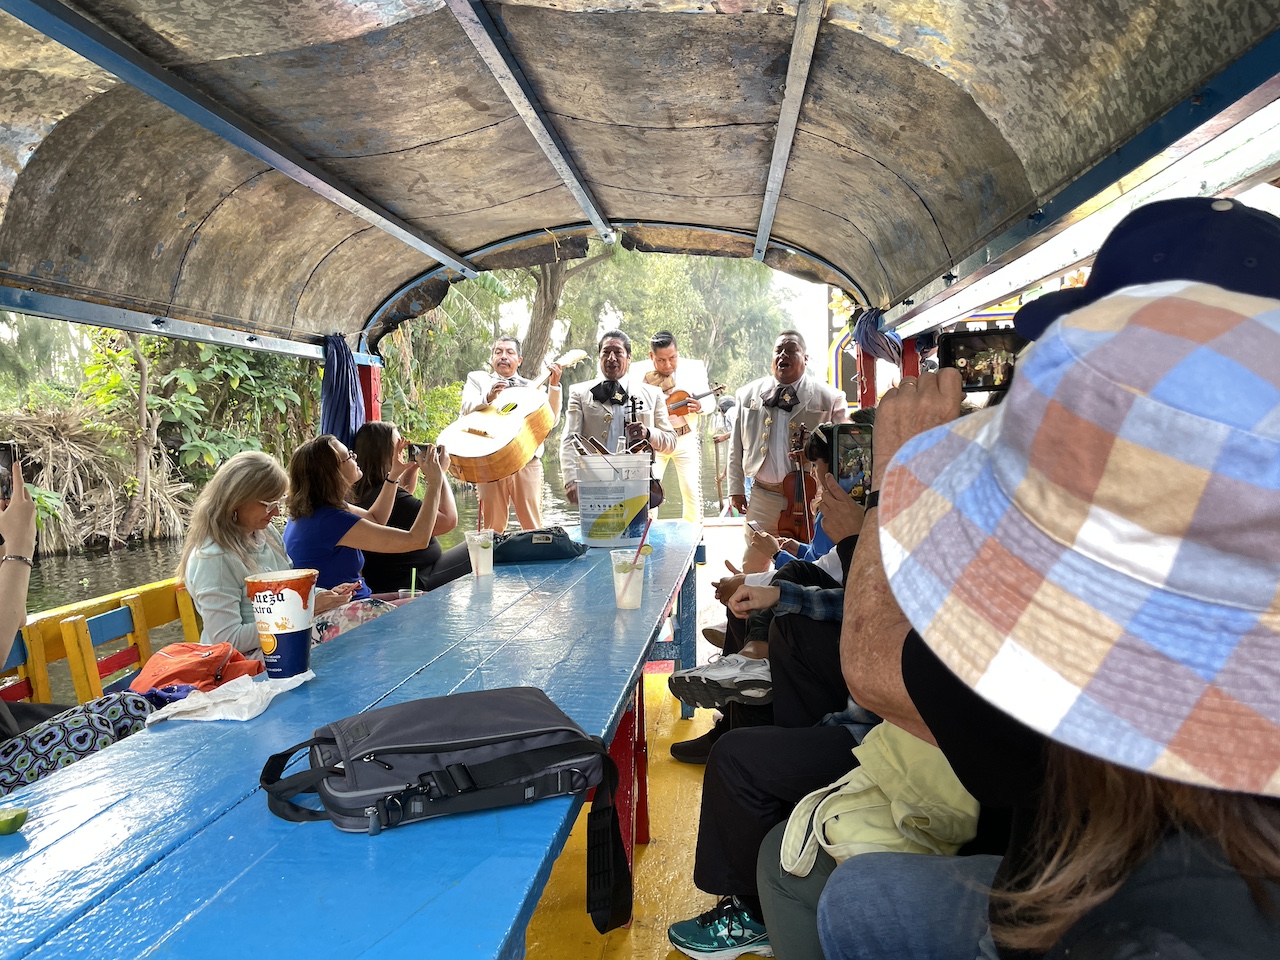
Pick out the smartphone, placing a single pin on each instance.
(8, 456)
(852, 458)
(984, 358)
(414, 449)
(755, 526)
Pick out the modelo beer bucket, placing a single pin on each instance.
(613, 499)
(284, 606)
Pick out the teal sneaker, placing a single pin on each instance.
(722, 933)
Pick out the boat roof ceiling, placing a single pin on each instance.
(300, 167)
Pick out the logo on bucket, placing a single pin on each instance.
(283, 610)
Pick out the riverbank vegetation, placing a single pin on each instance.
(118, 431)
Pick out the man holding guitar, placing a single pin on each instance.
(683, 383)
(524, 488)
(601, 410)
(769, 410)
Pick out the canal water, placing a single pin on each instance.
(59, 580)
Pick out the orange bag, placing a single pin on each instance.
(203, 666)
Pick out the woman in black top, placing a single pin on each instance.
(379, 450)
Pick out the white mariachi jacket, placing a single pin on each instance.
(817, 403)
(591, 418)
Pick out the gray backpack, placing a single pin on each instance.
(469, 751)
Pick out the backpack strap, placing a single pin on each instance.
(609, 888)
(609, 893)
(281, 790)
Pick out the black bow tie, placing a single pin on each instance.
(783, 396)
(609, 391)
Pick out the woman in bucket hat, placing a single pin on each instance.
(1091, 575)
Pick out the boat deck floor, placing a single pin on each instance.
(663, 870)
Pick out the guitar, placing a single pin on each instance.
(677, 400)
(495, 442)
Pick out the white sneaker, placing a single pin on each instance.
(730, 677)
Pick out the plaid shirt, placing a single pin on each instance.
(816, 603)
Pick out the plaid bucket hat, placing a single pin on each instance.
(1099, 556)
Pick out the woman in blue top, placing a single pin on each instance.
(328, 533)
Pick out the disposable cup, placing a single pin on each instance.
(480, 550)
(628, 578)
(407, 594)
(284, 609)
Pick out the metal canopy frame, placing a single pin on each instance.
(484, 35)
(809, 15)
(54, 307)
(76, 32)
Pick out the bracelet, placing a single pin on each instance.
(390, 479)
(13, 556)
(873, 500)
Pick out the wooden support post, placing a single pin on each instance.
(910, 358)
(866, 379)
(371, 390)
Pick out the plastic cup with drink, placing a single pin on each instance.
(284, 607)
(628, 578)
(480, 550)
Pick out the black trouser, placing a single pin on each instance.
(739, 632)
(754, 777)
(804, 662)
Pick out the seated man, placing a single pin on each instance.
(742, 673)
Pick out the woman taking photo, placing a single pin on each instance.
(231, 537)
(379, 449)
(329, 533)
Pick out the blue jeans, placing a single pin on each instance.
(890, 906)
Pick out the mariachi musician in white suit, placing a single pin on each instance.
(769, 411)
(612, 407)
(523, 489)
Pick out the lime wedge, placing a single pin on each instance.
(645, 550)
(11, 819)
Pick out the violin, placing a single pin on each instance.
(796, 519)
(678, 400)
(656, 494)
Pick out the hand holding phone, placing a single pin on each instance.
(984, 359)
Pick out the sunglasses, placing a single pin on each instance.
(272, 505)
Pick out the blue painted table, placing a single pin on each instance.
(164, 844)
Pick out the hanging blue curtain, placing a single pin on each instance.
(881, 344)
(341, 403)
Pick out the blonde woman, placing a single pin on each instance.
(231, 537)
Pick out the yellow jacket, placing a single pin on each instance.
(902, 797)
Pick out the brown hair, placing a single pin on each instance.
(375, 450)
(315, 478)
(251, 475)
(1098, 822)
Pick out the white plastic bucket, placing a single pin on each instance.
(613, 499)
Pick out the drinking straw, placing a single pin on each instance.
(413, 581)
(632, 572)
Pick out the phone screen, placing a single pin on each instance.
(754, 526)
(853, 458)
(8, 453)
(984, 359)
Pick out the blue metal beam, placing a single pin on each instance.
(78, 33)
(847, 282)
(99, 315)
(808, 20)
(1099, 185)
(497, 56)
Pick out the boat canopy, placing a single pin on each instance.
(293, 168)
